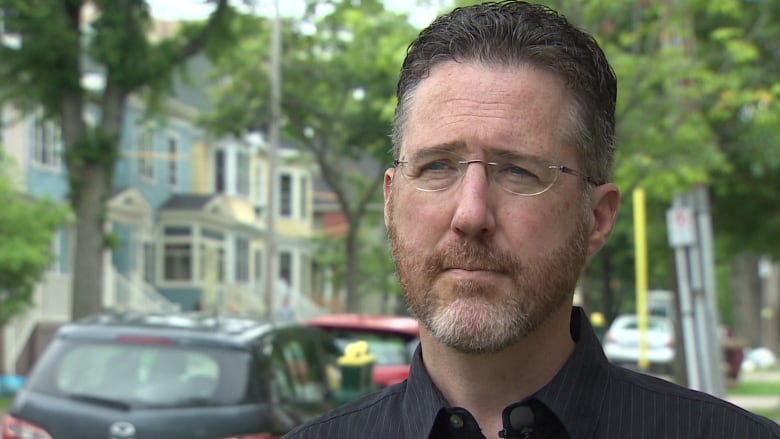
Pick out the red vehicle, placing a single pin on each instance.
(391, 340)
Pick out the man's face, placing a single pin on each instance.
(480, 267)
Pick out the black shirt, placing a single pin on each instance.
(588, 398)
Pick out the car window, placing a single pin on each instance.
(652, 324)
(144, 375)
(298, 371)
(388, 350)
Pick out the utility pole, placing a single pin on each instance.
(690, 235)
(273, 147)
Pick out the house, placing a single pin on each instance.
(188, 218)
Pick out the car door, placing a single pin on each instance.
(300, 366)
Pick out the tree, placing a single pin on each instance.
(340, 67)
(744, 37)
(26, 230)
(699, 103)
(57, 40)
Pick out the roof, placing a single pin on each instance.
(367, 322)
(173, 328)
(187, 202)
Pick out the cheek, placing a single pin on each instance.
(422, 220)
(417, 212)
(535, 226)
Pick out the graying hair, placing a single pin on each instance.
(514, 33)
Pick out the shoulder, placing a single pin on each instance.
(647, 403)
(355, 419)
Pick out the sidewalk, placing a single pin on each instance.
(756, 403)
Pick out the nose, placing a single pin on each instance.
(474, 213)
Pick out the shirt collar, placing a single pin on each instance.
(575, 394)
(422, 400)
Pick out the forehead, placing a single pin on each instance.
(488, 108)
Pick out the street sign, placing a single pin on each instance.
(681, 227)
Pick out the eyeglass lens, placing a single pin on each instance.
(521, 176)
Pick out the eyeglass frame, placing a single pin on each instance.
(562, 169)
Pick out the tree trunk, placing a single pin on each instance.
(746, 290)
(91, 166)
(89, 242)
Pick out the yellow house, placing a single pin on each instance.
(221, 230)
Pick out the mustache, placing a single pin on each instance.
(472, 255)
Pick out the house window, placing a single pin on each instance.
(285, 195)
(173, 161)
(242, 174)
(47, 143)
(285, 266)
(178, 262)
(219, 171)
(177, 231)
(258, 265)
(177, 254)
(242, 260)
(146, 152)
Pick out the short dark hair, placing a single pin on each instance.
(516, 33)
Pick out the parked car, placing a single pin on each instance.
(391, 340)
(147, 376)
(621, 342)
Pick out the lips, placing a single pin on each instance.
(470, 256)
(472, 269)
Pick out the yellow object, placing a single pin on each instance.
(597, 319)
(356, 354)
(640, 251)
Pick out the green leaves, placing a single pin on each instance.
(339, 68)
(26, 230)
(58, 43)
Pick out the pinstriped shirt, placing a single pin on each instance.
(588, 398)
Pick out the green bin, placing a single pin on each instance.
(356, 366)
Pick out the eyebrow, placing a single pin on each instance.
(447, 148)
(493, 154)
(512, 156)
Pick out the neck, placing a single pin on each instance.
(486, 383)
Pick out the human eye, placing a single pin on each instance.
(521, 177)
(434, 168)
(517, 172)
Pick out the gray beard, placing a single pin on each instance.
(482, 318)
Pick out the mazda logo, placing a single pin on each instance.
(122, 430)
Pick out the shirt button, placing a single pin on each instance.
(456, 421)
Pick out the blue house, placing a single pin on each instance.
(188, 217)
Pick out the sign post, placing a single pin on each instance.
(690, 236)
(640, 251)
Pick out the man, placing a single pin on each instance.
(503, 138)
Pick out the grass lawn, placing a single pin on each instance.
(755, 386)
(768, 413)
(758, 388)
(5, 402)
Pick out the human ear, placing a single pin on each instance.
(605, 201)
(388, 189)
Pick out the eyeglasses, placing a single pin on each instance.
(525, 176)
